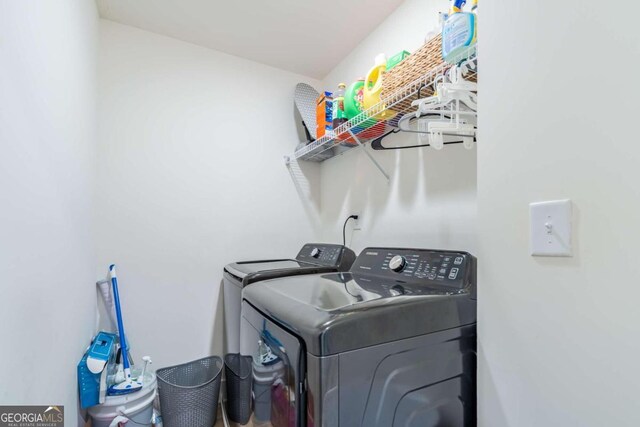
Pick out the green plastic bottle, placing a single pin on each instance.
(353, 103)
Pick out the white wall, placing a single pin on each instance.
(431, 200)
(47, 136)
(191, 177)
(559, 338)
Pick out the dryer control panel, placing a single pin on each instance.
(326, 255)
(448, 268)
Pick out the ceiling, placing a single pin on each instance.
(308, 37)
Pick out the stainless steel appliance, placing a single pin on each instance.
(392, 342)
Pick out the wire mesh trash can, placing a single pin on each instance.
(238, 374)
(189, 392)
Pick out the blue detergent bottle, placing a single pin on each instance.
(458, 33)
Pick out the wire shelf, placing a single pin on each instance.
(340, 139)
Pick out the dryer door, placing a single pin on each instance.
(278, 370)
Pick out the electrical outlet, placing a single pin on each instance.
(357, 223)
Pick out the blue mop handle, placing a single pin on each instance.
(116, 298)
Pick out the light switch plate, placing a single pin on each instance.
(551, 228)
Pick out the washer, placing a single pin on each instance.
(312, 258)
(392, 342)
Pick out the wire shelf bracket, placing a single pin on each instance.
(373, 160)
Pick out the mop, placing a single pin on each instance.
(128, 385)
(104, 286)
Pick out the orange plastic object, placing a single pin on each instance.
(324, 114)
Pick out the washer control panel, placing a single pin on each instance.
(415, 265)
(321, 253)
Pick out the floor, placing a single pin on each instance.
(219, 423)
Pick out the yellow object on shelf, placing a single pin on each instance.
(373, 87)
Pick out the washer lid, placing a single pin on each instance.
(255, 271)
(313, 258)
(244, 268)
(338, 312)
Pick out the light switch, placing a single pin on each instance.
(551, 228)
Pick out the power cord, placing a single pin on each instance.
(344, 228)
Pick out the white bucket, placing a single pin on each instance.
(136, 407)
(263, 379)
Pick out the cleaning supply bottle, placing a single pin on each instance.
(354, 103)
(353, 98)
(339, 115)
(456, 6)
(459, 33)
(373, 87)
(324, 109)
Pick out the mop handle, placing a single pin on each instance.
(116, 298)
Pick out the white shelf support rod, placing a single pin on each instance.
(376, 164)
